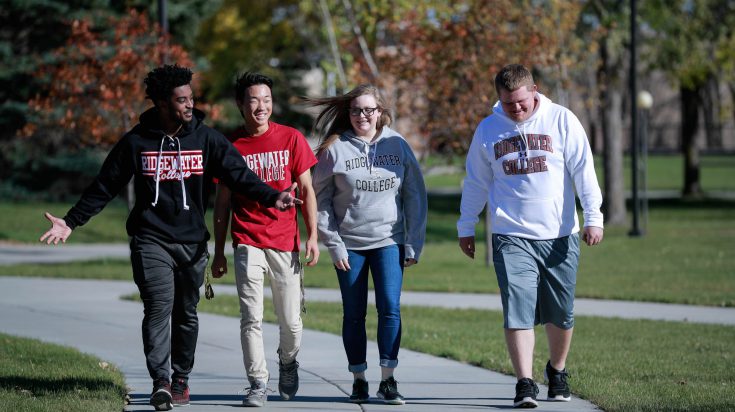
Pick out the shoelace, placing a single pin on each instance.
(257, 390)
(561, 377)
(287, 376)
(391, 386)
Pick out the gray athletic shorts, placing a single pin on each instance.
(537, 279)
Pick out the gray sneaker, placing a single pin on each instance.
(256, 395)
(288, 380)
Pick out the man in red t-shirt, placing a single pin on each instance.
(266, 241)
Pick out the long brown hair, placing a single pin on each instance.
(334, 119)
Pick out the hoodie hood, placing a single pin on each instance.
(151, 124)
(385, 131)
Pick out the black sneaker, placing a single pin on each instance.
(558, 386)
(180, 392)
(288, 380)
(526, 392)
(161, 395)
(359, 391)
(388, 392)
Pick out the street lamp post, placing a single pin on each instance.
(634, 146)
(645, 102)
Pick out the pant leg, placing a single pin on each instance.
(153, 272)
(353, 285)
(250, 267)
(284, 272)
(558, 280)
(517, 272)
(386, 265)
(188, 278)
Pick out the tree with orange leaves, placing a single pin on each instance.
(95, 90)
(443, 68)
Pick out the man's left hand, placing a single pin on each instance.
(592, 235)
(285, 200)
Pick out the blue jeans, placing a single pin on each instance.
(386, 266)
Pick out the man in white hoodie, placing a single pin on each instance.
(525, 161)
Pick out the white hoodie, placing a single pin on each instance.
(527, 172)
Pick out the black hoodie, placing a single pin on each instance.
(170, 208)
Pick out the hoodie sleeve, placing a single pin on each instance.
(115, 173)
(231, 169)
(476, 187)
(579, 163)
(415, 208)
(323, 182)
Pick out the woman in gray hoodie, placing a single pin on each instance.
(372, 208)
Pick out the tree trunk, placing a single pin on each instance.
(711, 113)
(611, 101)
(333, 46)
(690, 102)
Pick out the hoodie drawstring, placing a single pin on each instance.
(157, 178)
(181, 173)
(524, 150)
(172, 138)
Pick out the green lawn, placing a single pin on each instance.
(37, 376)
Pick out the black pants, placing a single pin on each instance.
(169, 276)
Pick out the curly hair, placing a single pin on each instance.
(248, 79)
(160, 82)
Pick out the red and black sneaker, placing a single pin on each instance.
(161, 395)
(180, 392)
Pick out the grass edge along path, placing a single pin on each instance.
(617, 364)
(38, 376)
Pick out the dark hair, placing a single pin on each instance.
(334, 119)
(512, 77)
(248, 79)
(160, 82)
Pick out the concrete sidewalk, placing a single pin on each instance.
(89, 315)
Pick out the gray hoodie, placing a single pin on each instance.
(370, 195)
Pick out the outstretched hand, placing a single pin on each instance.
(285, 200)
(59, 230)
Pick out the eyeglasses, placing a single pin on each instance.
(367, 111)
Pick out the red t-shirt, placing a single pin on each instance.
(278, 156)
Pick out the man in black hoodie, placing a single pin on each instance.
(172, 157)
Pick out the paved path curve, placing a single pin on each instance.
(89, 315)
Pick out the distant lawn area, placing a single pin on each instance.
(665, 172)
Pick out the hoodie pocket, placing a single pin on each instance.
(368, 222)
(533, 216)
